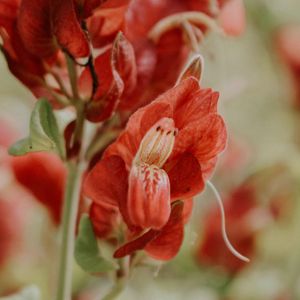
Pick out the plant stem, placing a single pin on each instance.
(121, 278)
(76, 167)
(71, 202)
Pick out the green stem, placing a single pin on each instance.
(121, 278)
(71, 202)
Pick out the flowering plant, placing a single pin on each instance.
(145, 135)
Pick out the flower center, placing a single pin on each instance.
(157, 144)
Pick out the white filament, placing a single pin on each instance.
(223, 225)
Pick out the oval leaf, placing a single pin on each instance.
(44, 134)
(86, 249)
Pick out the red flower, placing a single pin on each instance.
(166, 152)
(288, 44)
(43, 174)
(244, 219)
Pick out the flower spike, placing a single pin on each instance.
(224, 234)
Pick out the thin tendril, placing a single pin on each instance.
(223, 224)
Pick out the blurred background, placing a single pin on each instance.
(258, 177)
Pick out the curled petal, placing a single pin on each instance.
(118, 76)
(67, 29)
(149, 204)
(161, 244)
(107, 182)
(123, 60)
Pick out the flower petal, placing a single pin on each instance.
(35, 27)
(173, 229)
(167, 244)
(43, 174)
(119, 75)
(67, 29)
(204, 138)
(185, 177)
(8, 13)
(201, 103)
(104, 217)
(107, 181)
(105, 22)
(149, 204)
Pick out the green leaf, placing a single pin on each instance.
(44, 133)
(28, 293)
(86, 249)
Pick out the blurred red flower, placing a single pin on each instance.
(244, 219)
(43, 174)
(166, 152)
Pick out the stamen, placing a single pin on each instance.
(223, 224)
(176, 20)
(157, 144)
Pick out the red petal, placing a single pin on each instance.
(149, 204)
(124, 62)
(201, 103)
(35, 27)
(106, 21)
(135, 245)
(120, 73)
(8, 13)
(205, 138)
(173, 229)
(185, 177)
(107, 181)
(104, 217)
(67, 29)
(44, 175)
(167, 244)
